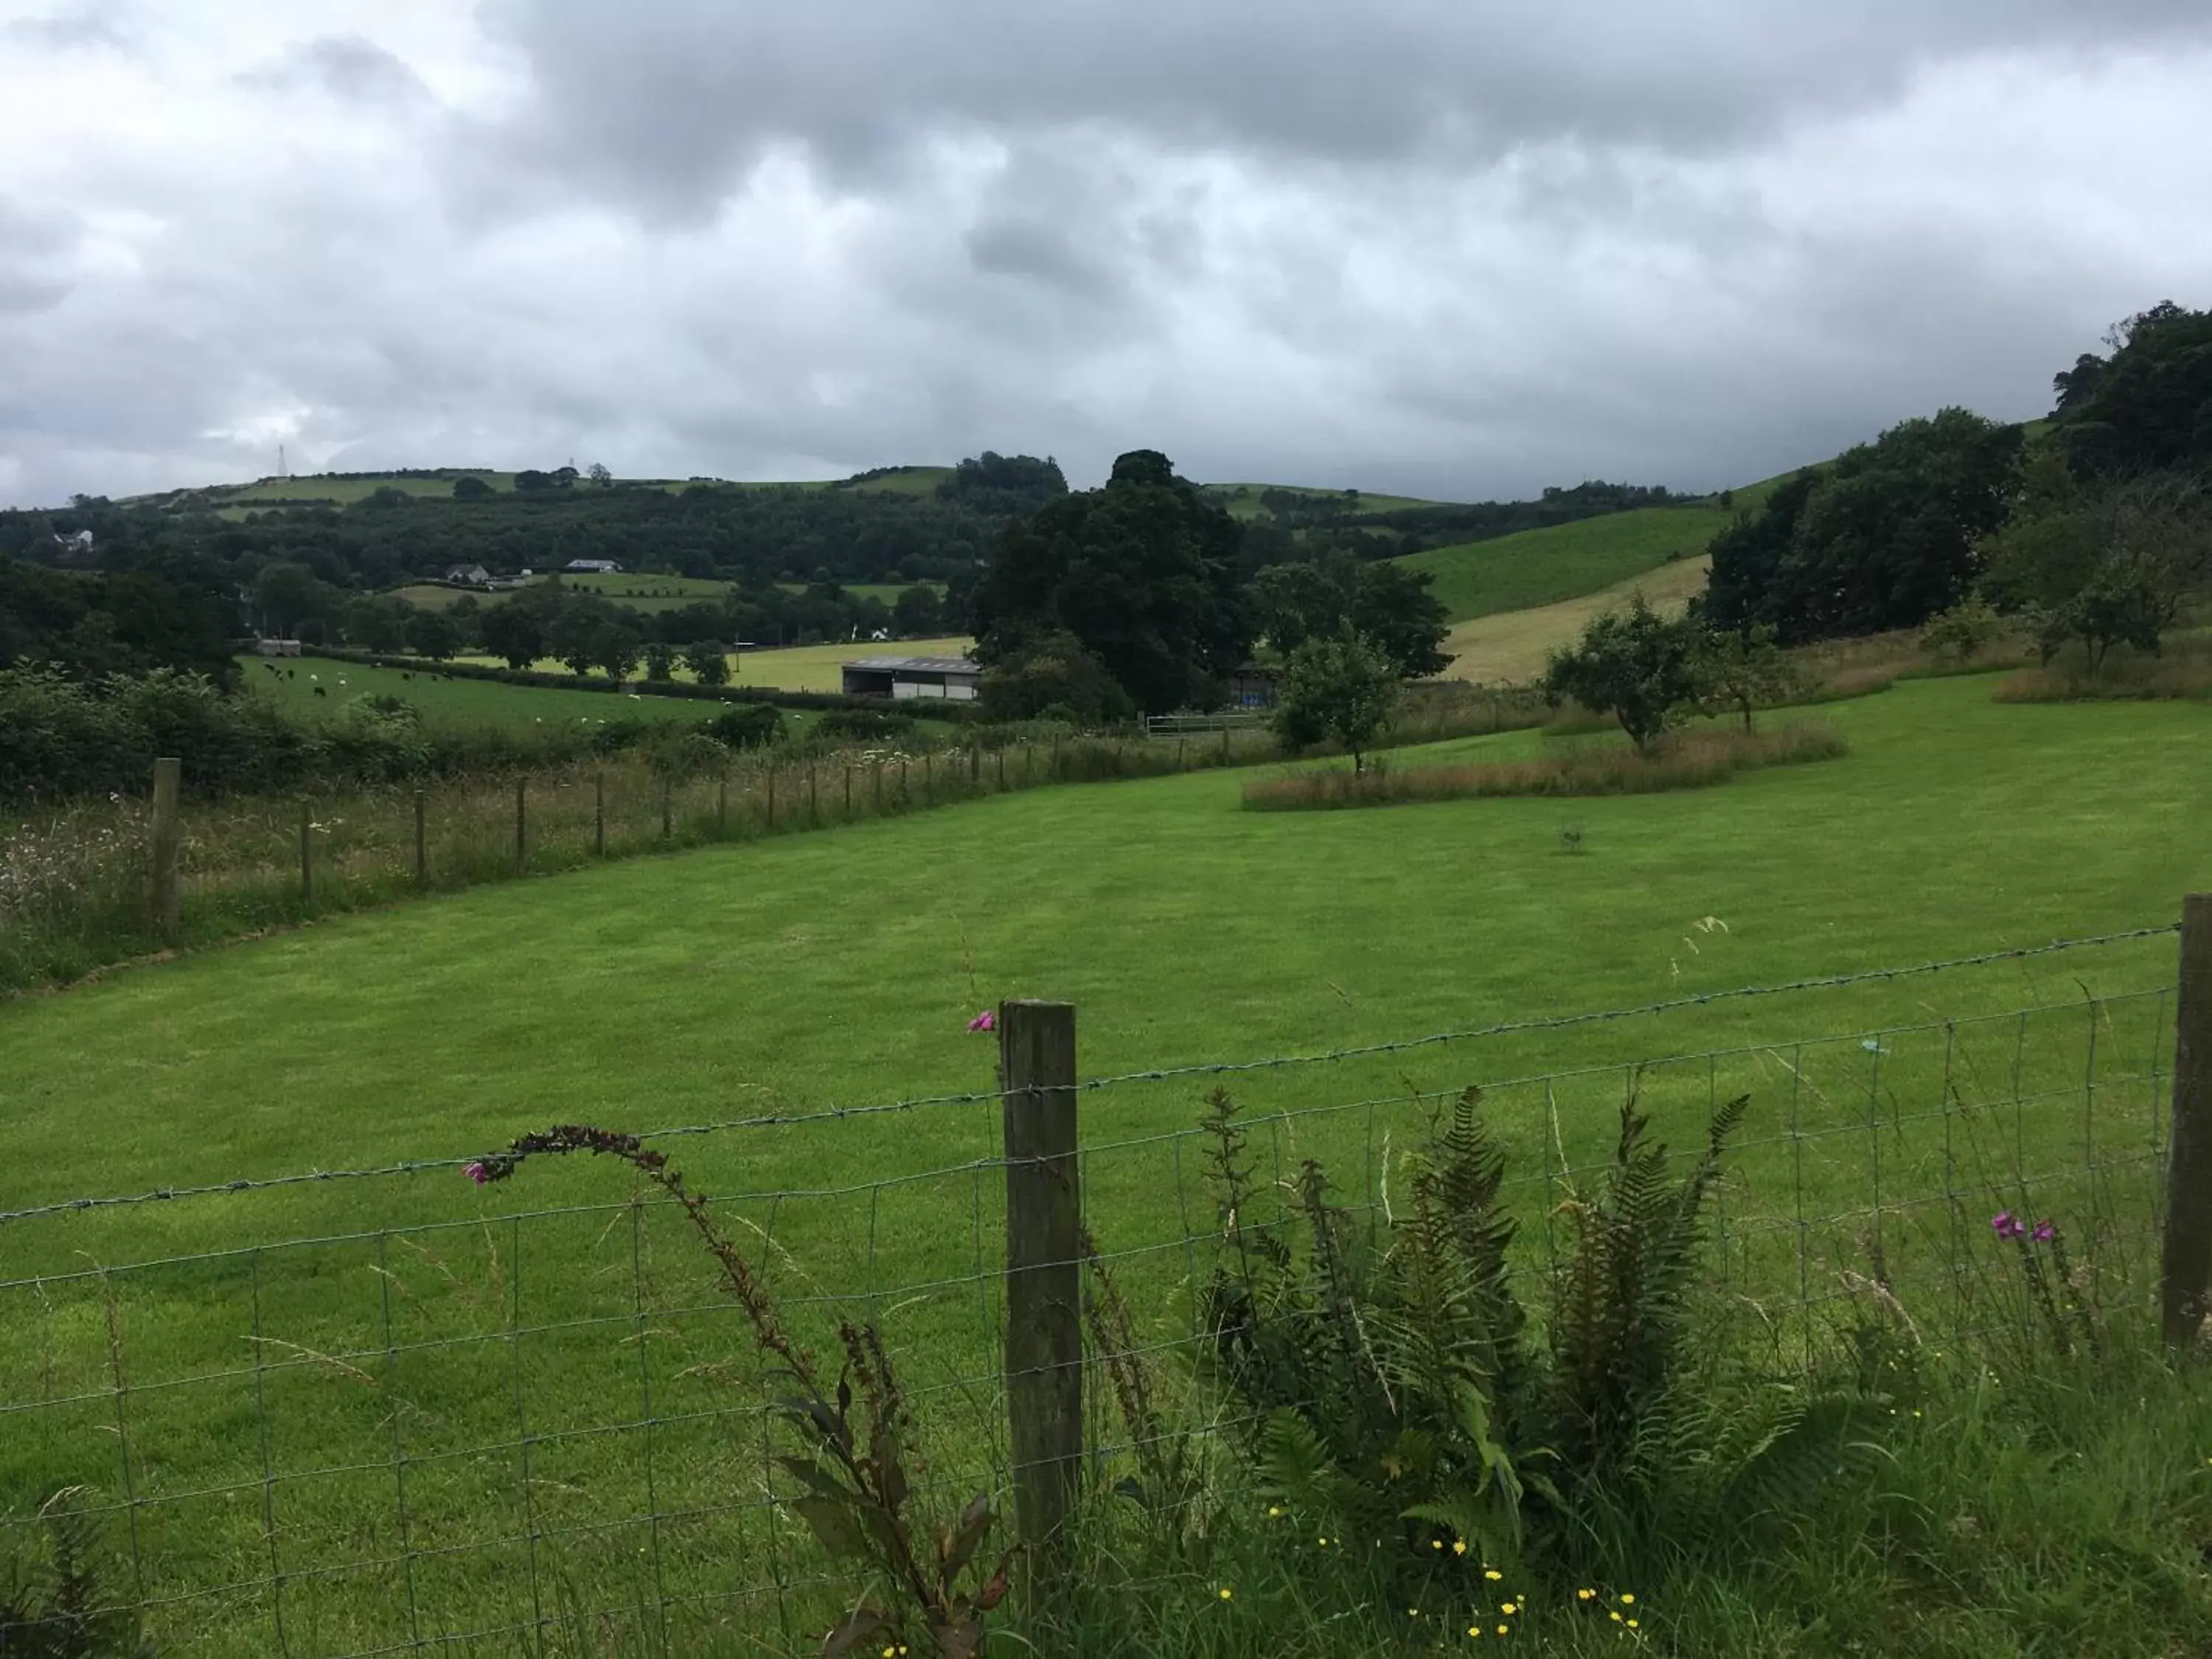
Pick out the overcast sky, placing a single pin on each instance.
(1461, 248)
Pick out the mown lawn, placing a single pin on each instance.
(840, 968)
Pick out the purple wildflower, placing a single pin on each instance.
(2005, 1225)
(477, 1172)
(985, 1021)
(2044, 1233)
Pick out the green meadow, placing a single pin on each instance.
(276, 1389)
(453, 699)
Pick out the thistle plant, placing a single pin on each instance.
(858, 1475)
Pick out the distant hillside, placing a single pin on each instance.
(1563, 562)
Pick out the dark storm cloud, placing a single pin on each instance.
(669, 106)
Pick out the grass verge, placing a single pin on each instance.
(1688, 761)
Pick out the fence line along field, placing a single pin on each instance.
(800, 667)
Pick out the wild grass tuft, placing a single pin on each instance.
(1688, 761)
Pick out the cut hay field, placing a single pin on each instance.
(1514, 645)
(803, 667)
(837, 969)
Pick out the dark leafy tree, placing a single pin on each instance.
(616, 644)
(469, 487)
(2148, 407)
(659, 661)
(1143, 573)
(1884, 538)
(1054, 673)
(431, 634)
(919, 613)
(1388, 606)
(708, 663)
(1637, 666)
(515, 634)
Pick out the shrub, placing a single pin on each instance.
(1339, 688)
(865, 726)
(748, 726)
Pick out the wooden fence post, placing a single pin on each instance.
(1056, 757)
(667, 807)
(168, 836)
(813, 796)
(879, 789)
(422, 841)
(929, 780)
(2186, 1266)
(849, 791)
(1002, 770)
(975, 764)
(1224, 743)
(771, 795)
(521, 823)
(599, 815)
(722, 805)
(1044, 1274)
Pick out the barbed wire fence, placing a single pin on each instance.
(535, 1417)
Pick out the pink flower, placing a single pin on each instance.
(985, 1021)
(477, 1172)
(2005, 1225)
(2044, 1233)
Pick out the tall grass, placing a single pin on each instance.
(1686, 761)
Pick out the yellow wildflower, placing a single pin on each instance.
(1585, 1594)
(1509, 1608)
(1227, 1593)
(1492, 1574)
(1460, 1547)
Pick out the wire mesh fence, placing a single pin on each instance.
(531, 1415)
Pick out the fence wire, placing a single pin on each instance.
(474, 1430)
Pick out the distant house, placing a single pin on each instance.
(591, 567)
(79, 545)
(468, 575)
(1253, 686)
(954, 679)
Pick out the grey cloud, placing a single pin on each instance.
(667, 110)
(352, 68)
(87, 25)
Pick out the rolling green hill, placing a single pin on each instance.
(1565, 562)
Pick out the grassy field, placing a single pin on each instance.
(804, 667)
(1514, 645)
(840, 968)
(1538, 567)
(488, 702)
(1248, 506)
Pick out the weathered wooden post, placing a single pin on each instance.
(722, 805)
(667, 807)
(522, 825)
(1044, 1275)
(771, 795)
(849, 792)
(813, 796)
(307, 854)
(168, 836)
(1056, 757)
(929, 780)
(879, 789)
(422, 841)
(1002, 770)
(2186, 1268)
(599, 815)
(975, 764)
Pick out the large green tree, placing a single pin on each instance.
(1336, 685)
(2148, 406)
(1387, 605)
(1142, 573)
(1885, 537)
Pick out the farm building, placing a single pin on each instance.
(904, 678)
(585, 566)
(1253, 686)
(468, 575)
(277, 647)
